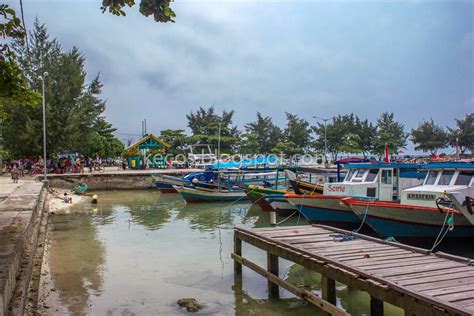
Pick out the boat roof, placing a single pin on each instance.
(245, 163)
(448, 165)
(379, 165)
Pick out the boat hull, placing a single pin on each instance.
(407, 221)
(165, 187)
(280, 205)
(256, 194)
(192, 195)
(326, 210)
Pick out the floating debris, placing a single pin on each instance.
(191, 304)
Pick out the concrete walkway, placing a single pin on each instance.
(19, 207)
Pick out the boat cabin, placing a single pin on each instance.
(441, 178)
(380, 181)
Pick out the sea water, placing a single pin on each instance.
(138, 252)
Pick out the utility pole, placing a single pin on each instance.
(45, 178)
(325, 135)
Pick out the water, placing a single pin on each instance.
(138, 252)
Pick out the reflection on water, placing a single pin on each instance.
(138, 252)
(77, 261)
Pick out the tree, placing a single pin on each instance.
(160, 9)
(429, 137)
(204, 124)
(366, 133)
(298, 132)
(13, 86)
(389, 132)
(73, 108)
(346, 133)
(176, 138)
(260, 136)
(463, 133)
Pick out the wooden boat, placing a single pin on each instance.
(380, 181)
(423, 211)
(256, 194)
(196, 195)
(307, 188)
(279, 204)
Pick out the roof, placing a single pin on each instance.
(246, 163)
(379, 165)
(147, 138)
(448, 165)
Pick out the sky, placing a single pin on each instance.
(414, 58)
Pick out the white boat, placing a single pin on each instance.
(424, 211)
(366, 181)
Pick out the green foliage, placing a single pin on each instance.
(287, 149)
(260, 136)
(73, 108)
(298, 132)
(429, 137)
(160, 9)
(389, 132)
(13, 86)
(176, 138)
(346, 133)
(10, 28)
(463, 133)
(204, 125)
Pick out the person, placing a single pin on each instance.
(15, 172)
(90, 164)
(124, 164)
(67, 199)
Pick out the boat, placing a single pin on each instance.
(203, 195)
(165, 183)
(366, 181)
(279, 204)
(424, 212)
(256, 194)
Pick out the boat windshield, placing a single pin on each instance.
(446, 177)
(349, 175)
(431, 177)
(358, 176)
(464, 177)
(372, 175)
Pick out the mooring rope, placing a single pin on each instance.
(450, 227)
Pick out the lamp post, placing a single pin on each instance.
(45, 178)
(325, 135)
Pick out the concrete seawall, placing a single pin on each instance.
(20, 214)
(114, 180)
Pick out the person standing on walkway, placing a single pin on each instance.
(15, 172)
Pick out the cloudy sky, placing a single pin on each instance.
(323, 58)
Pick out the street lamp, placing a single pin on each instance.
(45, 178)
(325, 135)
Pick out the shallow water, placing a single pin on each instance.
(138, 252)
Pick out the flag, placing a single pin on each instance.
(387, 155)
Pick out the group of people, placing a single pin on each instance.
(72, 164)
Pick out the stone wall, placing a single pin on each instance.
(19, 214)
(110, 181)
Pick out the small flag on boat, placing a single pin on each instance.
(387, 155)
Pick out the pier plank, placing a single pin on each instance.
(408, 277)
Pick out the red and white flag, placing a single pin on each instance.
(387, 155)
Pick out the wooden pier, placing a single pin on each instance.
(414, 279)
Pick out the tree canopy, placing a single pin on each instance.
(73, 107)
(463, 134)
(429, 137)
(389, 132)
(159, 9)
(204, 125)
(260, 136)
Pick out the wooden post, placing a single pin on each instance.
(376, 307)
(273, 219)
(328, 289)
(272, 267)
(237, 251)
